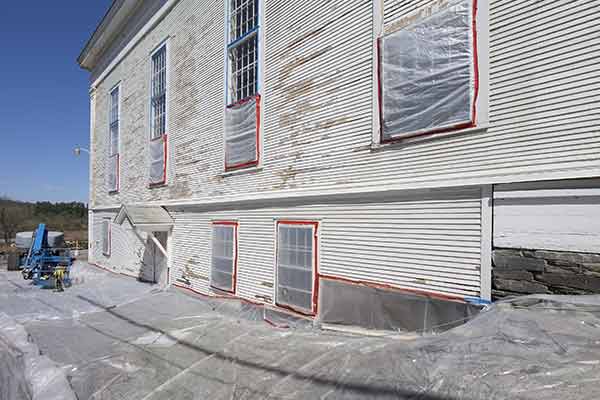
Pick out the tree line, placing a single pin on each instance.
(18, 216)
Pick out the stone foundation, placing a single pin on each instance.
(518, 272)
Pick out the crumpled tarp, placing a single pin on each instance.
(240, 133)
(25, 374)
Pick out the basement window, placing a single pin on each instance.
(106, 237)
(242, 114)
(297, 265)
(428, 72)
(114, 138)
(224, 256)
(158, 118)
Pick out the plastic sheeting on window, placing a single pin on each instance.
(106, 237)
(158, 160)
(241, 133)
(295, 266)
(427, 73)
(113, 173)
(223, 257)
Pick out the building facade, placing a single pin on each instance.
(271, 150)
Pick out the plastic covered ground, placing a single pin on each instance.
(115, 338)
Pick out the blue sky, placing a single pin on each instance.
(44, 102)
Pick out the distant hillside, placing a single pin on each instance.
(17, 216)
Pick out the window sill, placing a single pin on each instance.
(241, 171)
(399, 143)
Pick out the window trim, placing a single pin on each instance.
(234, 275)
(108, 238)
(314, 225)
(473, 123)
(165, 136)
(118, 87)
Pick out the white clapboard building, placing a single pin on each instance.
(295, 153)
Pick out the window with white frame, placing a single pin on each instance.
(428, 71)
(114, 140)
(224, 256)
(106, 236)
(243, 110)
(296, 265)
(158, 117)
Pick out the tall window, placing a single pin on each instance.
(243, 110)
(113, 151)
(428, 71)
(296, 265)
(158, 117)
(106, 237)
(224, 256)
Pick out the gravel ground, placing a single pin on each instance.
(120, 339)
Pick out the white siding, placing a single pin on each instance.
(424, 242)
(544, 99)
(553, 216)
(128, 253)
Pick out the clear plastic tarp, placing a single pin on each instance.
(113, 173)
(427, 73)
(241, 133)
(223, 257)
(294, 266)
(158, 160)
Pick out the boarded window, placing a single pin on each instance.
(106, 234)
(158, 125)
(243, 112)
(428, 72)
(113, 146)
(296, 265)
(224, 253)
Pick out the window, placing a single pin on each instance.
(428, 73)
(113, 151)
(106, 236)
(224, 256)
(242, 114)
(158, 117)
(297, 265)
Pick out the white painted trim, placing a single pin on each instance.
(373, 189)
(378, 7)
(158, 16)
(487, 219)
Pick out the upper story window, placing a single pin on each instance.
(114, 133)
(242, 114)
(428, 71)
(158, 117)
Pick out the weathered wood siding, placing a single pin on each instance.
(318, 119)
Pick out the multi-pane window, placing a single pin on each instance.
(224, 254)
(113, 151)
(243, 49)
(158, 117)
(296, 265)
(242, 115)
(428, 71)
(159, 93)
(106, 237)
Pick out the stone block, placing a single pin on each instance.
(518, 275)
(502, 294)
(503, 261)
(520, 286)
(573, 258)
(508, 252)
(591, 267)
(588, 283)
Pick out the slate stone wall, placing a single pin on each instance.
(518, 272)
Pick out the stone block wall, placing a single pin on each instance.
(518, 272)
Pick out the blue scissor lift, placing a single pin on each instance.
(44, 265)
